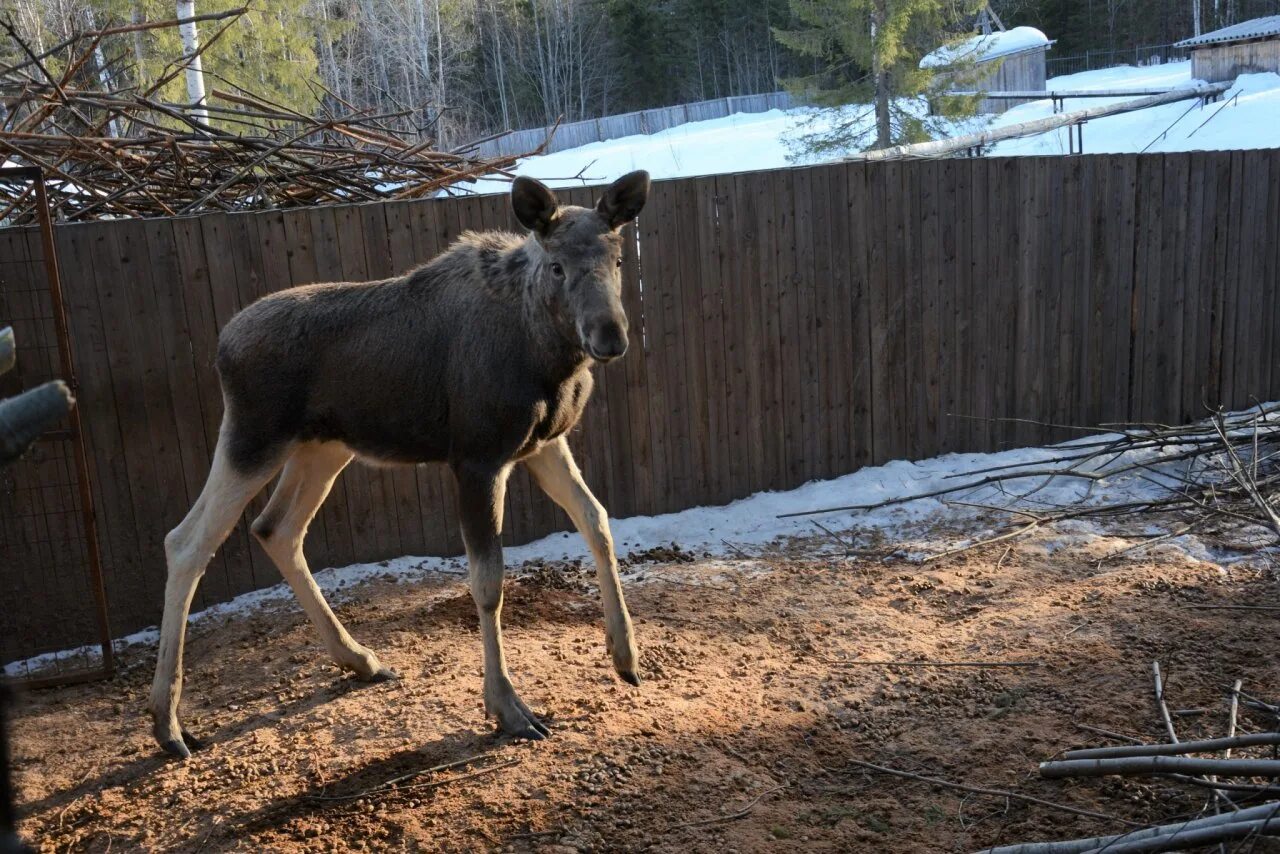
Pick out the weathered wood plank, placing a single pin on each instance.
(784, 405)
(813, 271)
(733, 318)
(758, 292)
(885, 299)
(933, 347)
(714, 408)
(148, 437)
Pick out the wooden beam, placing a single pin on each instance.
(942, 147)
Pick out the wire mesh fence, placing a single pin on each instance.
(47, 532)
(1092, 60)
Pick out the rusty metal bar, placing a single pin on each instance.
(77, 432)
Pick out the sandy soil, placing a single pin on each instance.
(740, 739)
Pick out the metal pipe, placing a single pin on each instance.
(77, 430)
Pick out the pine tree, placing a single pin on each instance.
(869, 52)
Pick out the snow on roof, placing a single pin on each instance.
(983, 47)
(1255, 29)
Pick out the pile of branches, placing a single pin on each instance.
(1235, 784)
(128, 152)
(1219, 477)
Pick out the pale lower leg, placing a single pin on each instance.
(281, 529)
(188, 549)
(558, 475)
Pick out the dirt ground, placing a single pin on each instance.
(741, 738)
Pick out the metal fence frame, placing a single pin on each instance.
(74, 434)
(1092, 60)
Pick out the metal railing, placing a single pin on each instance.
(1092, 60)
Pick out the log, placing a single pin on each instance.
(24, 417)
(1132, 766)
(8, 350)
(1181, 841)
(941, 147)
(1164, 831)
(1204, 746)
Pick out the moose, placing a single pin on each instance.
(480, 359)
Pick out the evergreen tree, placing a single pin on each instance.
(869, 53)
(270, 50)
(647, 52)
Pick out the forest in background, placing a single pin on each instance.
(468, 68)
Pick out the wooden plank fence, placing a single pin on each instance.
(787, 325)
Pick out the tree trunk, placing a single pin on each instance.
(884, 132)
(195, 66)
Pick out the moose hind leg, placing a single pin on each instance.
(556, 472)
(188, 549)
(480, 493)
(281, 529)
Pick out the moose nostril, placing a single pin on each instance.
(609, 341)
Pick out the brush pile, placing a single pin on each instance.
(110, 153)
(1215, 478)
(1241, 805)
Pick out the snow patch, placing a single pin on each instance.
(747, 142)
(981, 48)
(921, 525)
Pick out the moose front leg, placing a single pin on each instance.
(556, 472)
(480, 493)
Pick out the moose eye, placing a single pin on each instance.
(619, 264)
(557, 271)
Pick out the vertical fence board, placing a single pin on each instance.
(933, 345)
(770, 233)
(655, 283)
(748, 289)
(782, 319)
(812, 267)
(733, 312)
(693, 333)
(710, 257)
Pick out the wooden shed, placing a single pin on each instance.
(1006, 61)
(1244, 48)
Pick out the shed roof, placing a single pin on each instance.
(984, 47)
(1255, 29)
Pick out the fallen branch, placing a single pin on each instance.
(1204, 746)
(395, 781)
(1231, 607)
(742, 813)
(1164, 831)
(1196, 838)
(1134, 766)
(999, 793)
(844, 663)
(1164, 707)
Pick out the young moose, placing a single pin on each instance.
(480, 359)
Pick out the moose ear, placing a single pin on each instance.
(534, 204)
(622, 202)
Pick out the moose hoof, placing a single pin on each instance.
(382, 674)
(176, 747)
(630, 677)
(515, 719)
